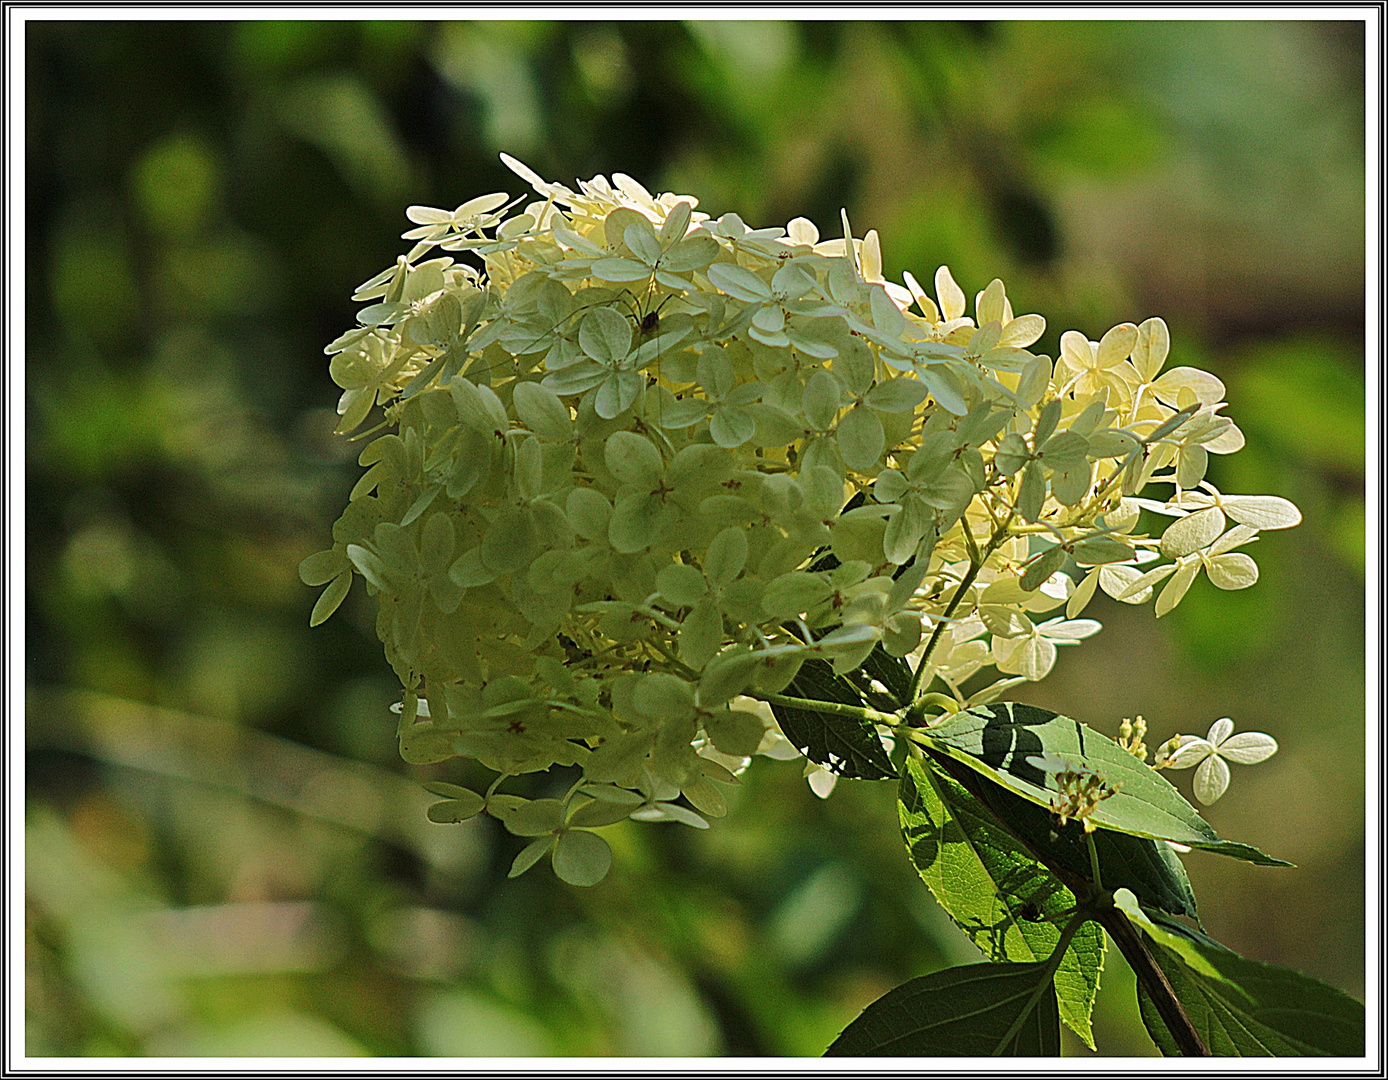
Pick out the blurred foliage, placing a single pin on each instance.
(225, 855)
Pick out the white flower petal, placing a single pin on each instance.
(1037, 657)
(1122, 583)
(1261, 511)
(1193, 532)
(1232, 571)
(1192, 751)
(1071, 629)
(822, 782)
(1176, 588)
(1235, 537)
(1080, 598)
(1220, 730)
(1248, 748)
(1211, 779)
(1048, 763)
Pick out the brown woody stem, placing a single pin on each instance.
(1154, 981)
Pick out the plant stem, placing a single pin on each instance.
(830, 708)
(1094, 861)
(1154, 981)
(976, 561)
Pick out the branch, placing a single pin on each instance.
(830, 708)
(1154, 981)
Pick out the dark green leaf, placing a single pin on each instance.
(893, 672)
(1252, 1009)
(969, 1011)
(1147, 867)
(845, 745)
(993, 888)
(999, 740)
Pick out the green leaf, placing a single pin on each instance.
(892, 672)
(969, 1011)
(1251, 1009)
(846, 745)
(993, 888)
(999, 740)
(1149, 868)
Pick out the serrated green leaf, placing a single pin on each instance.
(1149, 868)
(993, 888)
(1251, 1009)
(846, 745)
(892, 672)
(968, 1011)
(999, 740)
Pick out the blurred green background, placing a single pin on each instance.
(225, 854)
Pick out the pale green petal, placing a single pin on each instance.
(1116, 345)
(1084, 592)
(581, 858)
(1248, 747)
(1211, 779)
(726, 556)
(331, 598)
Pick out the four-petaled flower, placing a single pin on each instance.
(1210, 753)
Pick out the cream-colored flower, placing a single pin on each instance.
(948, 316)
(1210, 753)
(1032, 654)
(1091, 366)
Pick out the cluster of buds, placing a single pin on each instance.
(1079, 795)
(1130, 735)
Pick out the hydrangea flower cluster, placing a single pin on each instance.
(633, 472)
